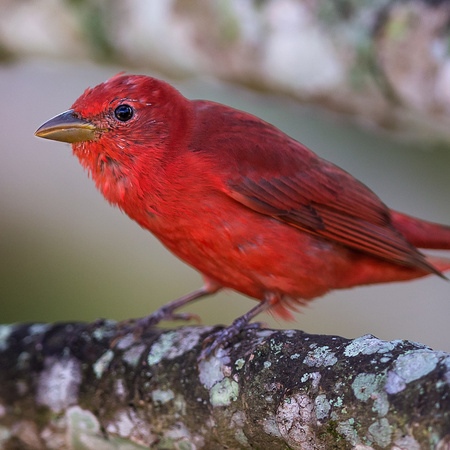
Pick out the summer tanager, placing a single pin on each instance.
(249, 207)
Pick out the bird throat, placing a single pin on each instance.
(110, 175)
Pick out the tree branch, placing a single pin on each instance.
(63, 386)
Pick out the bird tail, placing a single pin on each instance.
(441, 264)
(420, 233)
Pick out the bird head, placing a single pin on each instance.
(124, 126)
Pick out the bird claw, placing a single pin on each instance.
(223, 338)
(138, 326)
(169, 316)
(257, 325)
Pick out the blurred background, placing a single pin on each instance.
(366, 86)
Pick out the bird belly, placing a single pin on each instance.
(256, 254)
(259, 256)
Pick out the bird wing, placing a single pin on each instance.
(267, 171)
(285, 199)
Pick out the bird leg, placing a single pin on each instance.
(223, 337)
(167, 312)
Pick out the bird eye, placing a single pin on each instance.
(124, 112)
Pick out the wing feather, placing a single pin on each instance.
(267, 171)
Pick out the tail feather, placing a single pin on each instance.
(441, 264)
(420, 233)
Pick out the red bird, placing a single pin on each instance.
(249, 207)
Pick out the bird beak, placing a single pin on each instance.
(66, 127)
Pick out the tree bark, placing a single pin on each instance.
(78, 385)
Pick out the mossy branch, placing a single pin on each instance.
(63, 386)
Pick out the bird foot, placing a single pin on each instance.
(138, 326)
(224, 338)
(166, 315)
